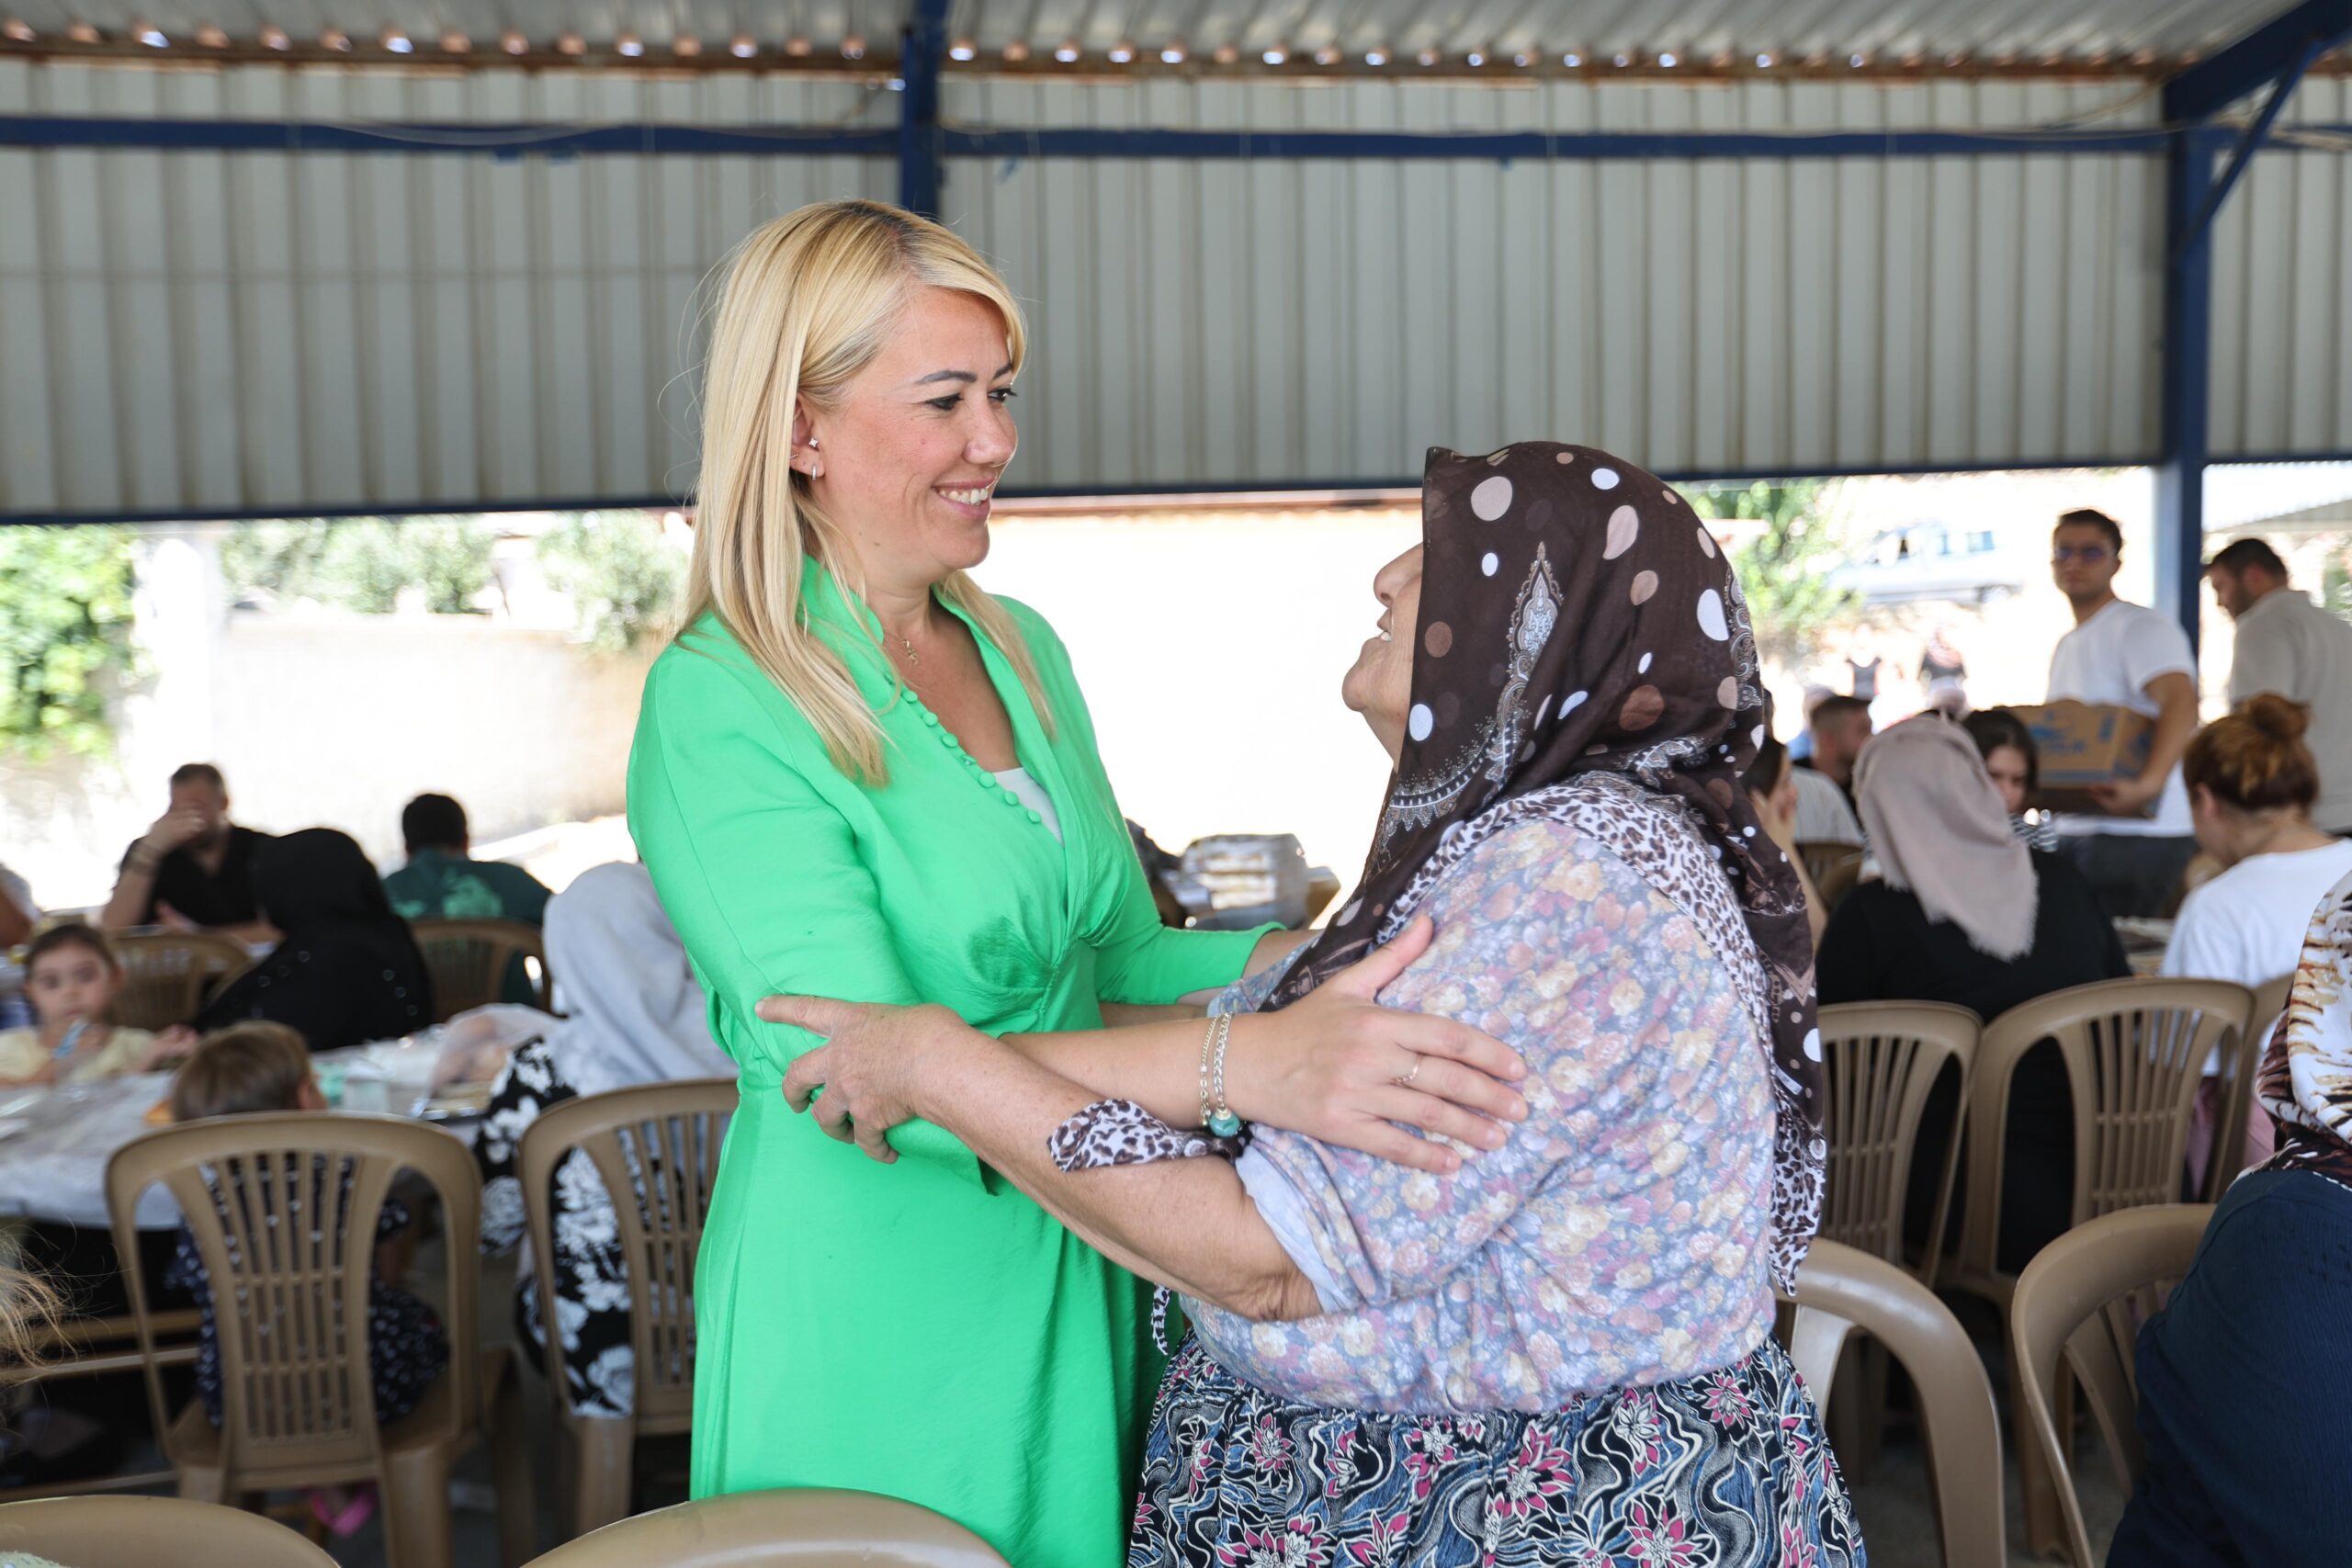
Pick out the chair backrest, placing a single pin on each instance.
(284, 1208)
(469, 959)
(142, 1533)
(815, 1527)
(656, 1149)
(1821, 854)
(1840, 1289)
(2241, 1065)
(2135, 1054)
(1878, 1062)
(167, 975)
(2086, 1295)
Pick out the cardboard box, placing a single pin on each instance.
(2082, 745)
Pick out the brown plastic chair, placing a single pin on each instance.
(147, 1532)
(167, 975)
(657, 1146)
(2086, 1295)
(95, 1346)
(2135, 1054)
(1840, 1289)
(469, 961)
(1878, 1062)
(297, 1402)
(813, 1528)
(2240, 1068)
(1834, 869)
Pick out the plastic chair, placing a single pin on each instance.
(1840, 1289)
(2240, 1068)
(469, 961)
(2086, 1295)
(297, 1402)
(1834, 869)
(167, 975)
(142, 1533)
(2135, 1054)
(813, 1528)
(93, 1347)
(658, 1147)
(1880, 1060)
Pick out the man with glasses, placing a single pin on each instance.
(2128, 656)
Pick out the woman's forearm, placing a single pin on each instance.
(1185, 1224)
(1158, 1066)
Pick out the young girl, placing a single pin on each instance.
(261, 1066)
(72, 976)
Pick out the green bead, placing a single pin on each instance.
(1225, 1123)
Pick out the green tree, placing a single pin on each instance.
(363, 563)
(622, 576)
(66, 638)
(1784, 564)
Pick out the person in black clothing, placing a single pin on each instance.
(347, 970)
(193, 870)
(1967, 914)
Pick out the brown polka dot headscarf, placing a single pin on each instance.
(1577, 618)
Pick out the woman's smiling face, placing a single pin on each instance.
(1380, 683)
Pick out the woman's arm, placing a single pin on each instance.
(1185, 1224)
(1327, 1067)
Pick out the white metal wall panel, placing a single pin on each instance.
(1704, 315)
(2282, 294)
(193, 331)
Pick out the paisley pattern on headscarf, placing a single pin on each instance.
(1577, 619)
(2306, 1077)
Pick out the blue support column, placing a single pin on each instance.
(2187, 378)
(924, 47)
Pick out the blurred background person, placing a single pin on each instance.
(193, 869)
(2252, 780)
(2288, 645)
(346, 971)
(2014, 764)
(1965, 913)
(2124, 655)
(1839, 729)
(442, 881)
(72, 977)
(637, 1016)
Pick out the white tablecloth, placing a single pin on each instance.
(53, 1153)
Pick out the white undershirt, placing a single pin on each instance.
(1033, 795)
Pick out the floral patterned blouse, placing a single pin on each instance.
(1621, 1236)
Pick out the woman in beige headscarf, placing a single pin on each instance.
(1965, 912)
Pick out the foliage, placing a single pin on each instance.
(2336, 584)
(1784, 566)
(362, 563)
(622, 576)
(65, 637)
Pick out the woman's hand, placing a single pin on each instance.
(874, 1065)
(1342, 1068)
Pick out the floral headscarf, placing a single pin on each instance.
(1579, 626)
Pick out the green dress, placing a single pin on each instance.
(921, 1329)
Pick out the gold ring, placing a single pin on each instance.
(1407, 1081)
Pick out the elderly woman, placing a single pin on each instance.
(2245, 1395)
(856, 773)
(1561, 1351)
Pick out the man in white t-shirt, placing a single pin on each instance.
(2124, 655)
(2288, 645)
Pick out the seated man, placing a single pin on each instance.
(193, 869)
(443, 882)
(1839, 728)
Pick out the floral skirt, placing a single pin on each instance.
(1725, 1469)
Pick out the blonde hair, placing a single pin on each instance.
(809, 300)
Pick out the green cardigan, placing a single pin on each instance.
(921, 1329)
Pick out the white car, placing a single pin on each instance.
(1933, 560)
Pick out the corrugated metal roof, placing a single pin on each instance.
(1694, 32)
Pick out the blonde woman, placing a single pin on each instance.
(858, 774)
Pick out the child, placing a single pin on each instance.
(72, 977)
(261, 1066)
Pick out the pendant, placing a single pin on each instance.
(1225, 1123)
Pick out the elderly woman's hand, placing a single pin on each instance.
(871, 1064)
(1342, 1068)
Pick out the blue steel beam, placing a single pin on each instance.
(2187, 383)
(919, 153)
(2230, 74)
(2249, 143)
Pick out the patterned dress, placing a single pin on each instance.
(1562, 1354)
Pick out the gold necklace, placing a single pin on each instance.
(912, 657)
